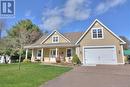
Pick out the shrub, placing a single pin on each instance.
(75, 59)
(26, 61)
(126, 59)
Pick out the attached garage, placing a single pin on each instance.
(100, 55)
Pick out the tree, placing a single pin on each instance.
(125, 46)
(22, 33)
(26, 30)
(2, 26)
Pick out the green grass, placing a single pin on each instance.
(30, 75)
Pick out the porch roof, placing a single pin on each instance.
(61, 45)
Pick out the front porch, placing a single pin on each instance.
(51, 55)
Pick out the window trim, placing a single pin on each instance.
(71, 52)
(97, 33)
(53, 40)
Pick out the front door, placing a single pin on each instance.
(53, 55)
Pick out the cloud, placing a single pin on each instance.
(108, 4)
(28, 14)
(72, 10)
(52, 12)
(77, 9)
(53, 22)
(52, 19)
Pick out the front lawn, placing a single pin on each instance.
(30, 75)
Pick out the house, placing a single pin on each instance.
(97, 45)
(5, 59)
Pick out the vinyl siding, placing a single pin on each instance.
(61, 39)
(109, 39)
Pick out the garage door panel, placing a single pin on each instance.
(92, 56)
(100, 55)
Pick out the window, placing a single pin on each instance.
(39, 53)
(55, 39)
(69, 52)
(97, 33)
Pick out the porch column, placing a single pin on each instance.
(32, 58)
(56, 53)
(26, 57)
(42, 55)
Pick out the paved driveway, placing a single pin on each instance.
(94, 76)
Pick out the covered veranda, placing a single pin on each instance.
(51, 52)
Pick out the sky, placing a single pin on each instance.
(74, 15)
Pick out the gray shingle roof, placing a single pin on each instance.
(72, 36)
(41, 39)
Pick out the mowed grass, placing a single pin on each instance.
(30, 75)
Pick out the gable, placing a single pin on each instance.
(49, 39)
(107, 33)
(108, 38)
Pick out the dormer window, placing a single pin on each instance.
(55, 39)
(97, 33)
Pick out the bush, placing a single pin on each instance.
(75, 59)
(26, 61)
(126, 59)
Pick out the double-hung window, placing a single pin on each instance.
(55, 39)
(69, 52)
(38, 53)
(97, 33)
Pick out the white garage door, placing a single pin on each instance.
(100, 55)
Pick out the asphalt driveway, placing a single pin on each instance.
(94, 76)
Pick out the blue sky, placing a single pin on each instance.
(74, 15)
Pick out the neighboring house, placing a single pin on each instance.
(2, 59)
(97, 45)
(5, 59)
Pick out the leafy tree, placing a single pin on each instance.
(22, 33)
(125, 46)
(25, 31)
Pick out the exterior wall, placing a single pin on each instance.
(68, 59)
(61, 39)
(109, 39)
(46, 55)
(62, 50)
